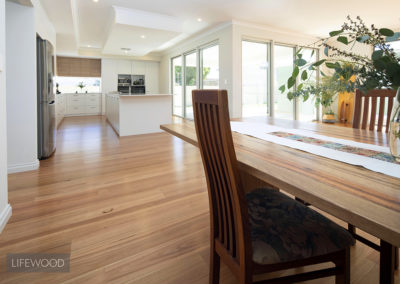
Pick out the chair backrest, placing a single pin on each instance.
(364, 112)
(228, 208)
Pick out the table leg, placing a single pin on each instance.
(387, 263)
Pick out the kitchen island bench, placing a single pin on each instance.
(133, 114)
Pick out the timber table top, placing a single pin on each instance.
(366, 199)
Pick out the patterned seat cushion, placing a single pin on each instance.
(283, 229)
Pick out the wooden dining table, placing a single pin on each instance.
(366, 199)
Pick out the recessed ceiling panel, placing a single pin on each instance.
(139, 40)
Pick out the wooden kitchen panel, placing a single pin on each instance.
(78, 67)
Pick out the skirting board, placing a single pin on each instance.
(17, 168)
(5, 216)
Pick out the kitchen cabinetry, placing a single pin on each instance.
(109, 75)
(152, 79)
(139, 67)
(112, 110)
(110, 68)
(124, 66)
(138, 114)
(83, 104)
(60, 108)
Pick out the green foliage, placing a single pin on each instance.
(178, 75)
(81, 85)
(206, 71)
(381, 70)
(343, 39)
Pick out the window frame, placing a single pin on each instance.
(199, 80)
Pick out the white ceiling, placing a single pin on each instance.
(109, 25)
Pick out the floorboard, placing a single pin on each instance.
(129, 210)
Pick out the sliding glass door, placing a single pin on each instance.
(307, 111)
(254, 78)
(283, 68)
(192, 70)
(209, 62)
(177, 108)
(190, 82)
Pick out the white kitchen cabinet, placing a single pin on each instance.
(60, 108)
(124, 66)
(109, 75)
(110, 68)
(138, 67)
(112, 110)
(83, 104)
(152, 77)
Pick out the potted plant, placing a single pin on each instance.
(380, 70)
(326, 90)
(81, 86)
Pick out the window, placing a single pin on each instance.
(307, 110)
(190, 82)
(70, 84)
(283, 68)
(187, 66)
(254, 78)
(210, 67)
(177, 108)
(257, 77)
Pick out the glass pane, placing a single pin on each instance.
(70, 84)
(283, 68)
(177, 85)
(254, 78)
(396, 46)
(210, 74)
(307, 109)
(190, 82)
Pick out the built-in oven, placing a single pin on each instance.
(124, 89)
(138, 89)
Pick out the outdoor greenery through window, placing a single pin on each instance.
(256, 81)
(74, 84)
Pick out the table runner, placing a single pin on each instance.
(372, 157)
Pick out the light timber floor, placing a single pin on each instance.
(129, 210)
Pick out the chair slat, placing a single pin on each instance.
(220, 184)
(381, 113)
(210, 164)
(357, 109)
(365, 113)
(374, 95)
(373, 113)
(389, 113)
(231, 218)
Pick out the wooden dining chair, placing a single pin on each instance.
(365, 109)
(264, 230)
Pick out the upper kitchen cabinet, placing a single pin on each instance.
(124, 67)
(109, 75)
(152, 77)
(110, 68)
(139, 67)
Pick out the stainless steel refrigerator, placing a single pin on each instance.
(45, 99)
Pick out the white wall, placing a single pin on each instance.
(43, 26)
(5, 209)
(21, 88)
(229, 36)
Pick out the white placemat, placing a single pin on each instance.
(267, 132)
